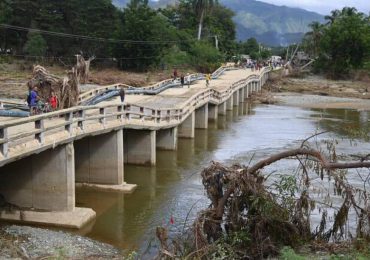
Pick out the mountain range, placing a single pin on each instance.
(270, 24)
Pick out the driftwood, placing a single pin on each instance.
(83, 68)
(66, 89)
(250, 219)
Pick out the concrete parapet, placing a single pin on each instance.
(222, 109)
(212, 112)
(140, 146)
(167, 139)
(99, 159)
(201, 117)
(187, 127)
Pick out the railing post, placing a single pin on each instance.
(39, 124)
(120, 111)
(81, 119)
(102, 111)
(68, 126)
(4, 144)
(127, 109)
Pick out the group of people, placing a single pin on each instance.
(37, 105)
(182, 78)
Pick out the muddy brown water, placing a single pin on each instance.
(173, 189)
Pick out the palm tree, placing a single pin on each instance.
(333, 15)
(201, 7)
(315, 35)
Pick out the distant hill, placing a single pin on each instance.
(273, 25)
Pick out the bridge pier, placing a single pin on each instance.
(241, 95)
(201, 117)
(140, 146)
(222, 109)
(167, 139)
(229, 103)
(212, 112)
(44, 183)
(187, 127)
(246, 91)
(99, 162)
(236, 98)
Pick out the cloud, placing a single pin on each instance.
(323, 6)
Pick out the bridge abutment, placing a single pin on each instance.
(167, 139)
(201, 117)
(140, 146)
(44, 183)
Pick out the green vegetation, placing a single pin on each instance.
(342, 44)
(135, 37)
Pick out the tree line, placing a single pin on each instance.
(135, 37)
(342, 44)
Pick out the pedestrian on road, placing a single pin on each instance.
(32, 100)
(188, 78)
(122, 94)
(175, 74)
(53, 100)
(182, 80)
(208, 79)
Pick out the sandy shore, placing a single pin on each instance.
(316, 101)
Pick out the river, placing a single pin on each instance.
(172, 190)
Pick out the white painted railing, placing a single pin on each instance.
(23, 137)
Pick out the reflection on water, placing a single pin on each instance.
(173, 186)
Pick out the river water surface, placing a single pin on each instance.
(172, 190)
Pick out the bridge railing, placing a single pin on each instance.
(21, 134)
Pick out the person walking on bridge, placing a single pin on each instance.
(182, 80)
(122, 94)
(208, 79)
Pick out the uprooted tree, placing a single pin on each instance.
(66, 88)
(252, 217)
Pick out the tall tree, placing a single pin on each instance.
(201, 8)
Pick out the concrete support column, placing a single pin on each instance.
(230, 104)
(187, 127)
(241, 95)
(222, 109)
(236, 98)
(140, 146)
(246, 91)
(44, 182)
(201, 117)
(99, 160)
(167, 139)
(212, 112)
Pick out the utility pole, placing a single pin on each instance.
(216, 41)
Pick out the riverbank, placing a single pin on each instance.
(23, 242)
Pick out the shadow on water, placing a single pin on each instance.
(173, 186)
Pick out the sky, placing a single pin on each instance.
(323, 6)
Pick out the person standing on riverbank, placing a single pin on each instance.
(175, 74)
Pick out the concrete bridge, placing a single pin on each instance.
(44, 157)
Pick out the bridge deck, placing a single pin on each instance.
(167, 109)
